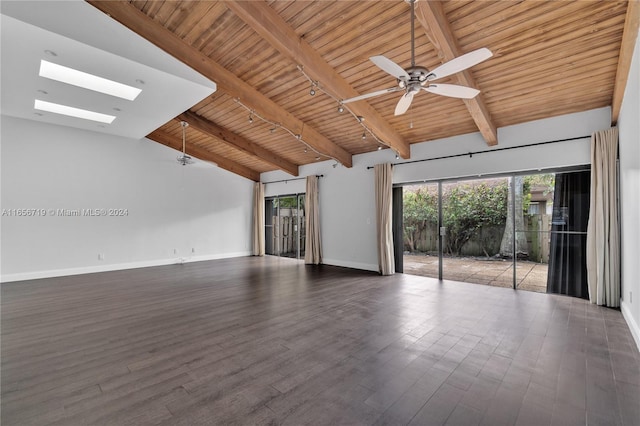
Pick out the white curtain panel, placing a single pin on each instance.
(603, 229)
(384, 198)
(258, 219)
(312, 245)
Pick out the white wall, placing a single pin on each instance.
(169, 207)
(347, 197)
(629, 127)
(561, 154)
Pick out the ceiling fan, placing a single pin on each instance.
(415, 78)
(184, 159)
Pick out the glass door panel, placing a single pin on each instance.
(270, 226)
(420, 230)
(533, 231)
(567, 252)
(288, 218)
(556, 211)
(476, 240)
(285, 226)
(302, 229)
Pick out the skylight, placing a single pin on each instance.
(87, 81)
(73, 112)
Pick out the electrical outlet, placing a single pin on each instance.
(630, 297)
(193, 249)
(100, 256)
(175, 251)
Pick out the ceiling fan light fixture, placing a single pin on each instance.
(185, 159)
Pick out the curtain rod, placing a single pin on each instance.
(471, 154)
(289, 180)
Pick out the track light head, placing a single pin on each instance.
(312, 92)
(340, 109)
(379, 148)
(364, 136)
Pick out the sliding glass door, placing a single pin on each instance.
(285, 226)
(519, 231)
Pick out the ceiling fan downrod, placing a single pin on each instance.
(413, 41)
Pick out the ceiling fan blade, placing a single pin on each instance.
(404, 103)
(452, 90)
(371, 95)
(461, 63)
(390, 67)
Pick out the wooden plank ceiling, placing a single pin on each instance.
(550, 58)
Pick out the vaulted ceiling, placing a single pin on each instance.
(549, 58)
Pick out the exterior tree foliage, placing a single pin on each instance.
(420, 210)
(466, 209)
(469, 208)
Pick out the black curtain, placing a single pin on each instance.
(396, 220)
(567, 253)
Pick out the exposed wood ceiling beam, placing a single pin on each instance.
(270, 26)
(629, 37)
(202, 154)
(138, 22)
(236, 141)
(434, 21)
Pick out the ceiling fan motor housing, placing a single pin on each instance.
(417, 75)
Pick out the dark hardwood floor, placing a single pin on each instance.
(272, 341)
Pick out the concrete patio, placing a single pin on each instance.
(495, 272)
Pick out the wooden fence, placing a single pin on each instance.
(285, 234)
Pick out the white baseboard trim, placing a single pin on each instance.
(354, 265)
(23, 276)
(633, 325)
